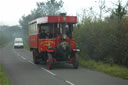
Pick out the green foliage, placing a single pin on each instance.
(120, 11)
(3, 38)
(8, 33)
(104, 40)
(96, 39)
(26, 45)
(24, 23)
(49, 8)
(3, 77)
(114, 70)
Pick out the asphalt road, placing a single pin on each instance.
(20, 69)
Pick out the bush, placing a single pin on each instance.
(105, 41)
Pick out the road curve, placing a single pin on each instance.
(20, 69)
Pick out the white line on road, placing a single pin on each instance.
(23, 57)
(16, 53)
(48, 71)
(69, 82)
(30, 62)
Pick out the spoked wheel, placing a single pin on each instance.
(35, 58)
(49, 61)
(75, 61)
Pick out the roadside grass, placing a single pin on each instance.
(115, 70)
(3, 77)
(2, 45)
(26, 45)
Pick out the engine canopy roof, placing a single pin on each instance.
(55, 19)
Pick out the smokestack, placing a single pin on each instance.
(62, 14)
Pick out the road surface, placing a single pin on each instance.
(20, 69)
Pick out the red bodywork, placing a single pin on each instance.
(42, 45)
(57, 19)
(58, 45)
(33, 41)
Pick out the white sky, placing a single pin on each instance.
(12, 10)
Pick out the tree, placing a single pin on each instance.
(7, 33)
(24, 23)
(49, 8)
(101, 7)
(120, 11)
(104, 40)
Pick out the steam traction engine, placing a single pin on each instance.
(55, 44)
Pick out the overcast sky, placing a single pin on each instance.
(12, 10)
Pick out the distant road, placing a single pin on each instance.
(18, 65)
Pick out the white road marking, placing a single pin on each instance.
(23, 57)
(48, 71)
(69, 82)
(30, 62)
(16, 53)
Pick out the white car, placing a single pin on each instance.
(18, 43)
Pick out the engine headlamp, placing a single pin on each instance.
(64, 36)
(49, 45)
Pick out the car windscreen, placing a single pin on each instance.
(18, 41)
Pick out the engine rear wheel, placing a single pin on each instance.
(50, 61)
(75, 61)
(35, 58)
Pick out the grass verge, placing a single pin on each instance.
(26, 45)
(2, 45)
(3, 77)
(114, 70)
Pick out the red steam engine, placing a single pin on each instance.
(51, 41)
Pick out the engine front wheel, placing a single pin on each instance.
(35, 58)
(75, 61)
(50, 61)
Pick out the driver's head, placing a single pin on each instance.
(43, 31)
(66, 26)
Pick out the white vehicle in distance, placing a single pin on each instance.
(18, 43)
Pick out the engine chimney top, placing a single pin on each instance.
(62, 14)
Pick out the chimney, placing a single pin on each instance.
(62, 14)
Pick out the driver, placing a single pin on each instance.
(42, 34)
